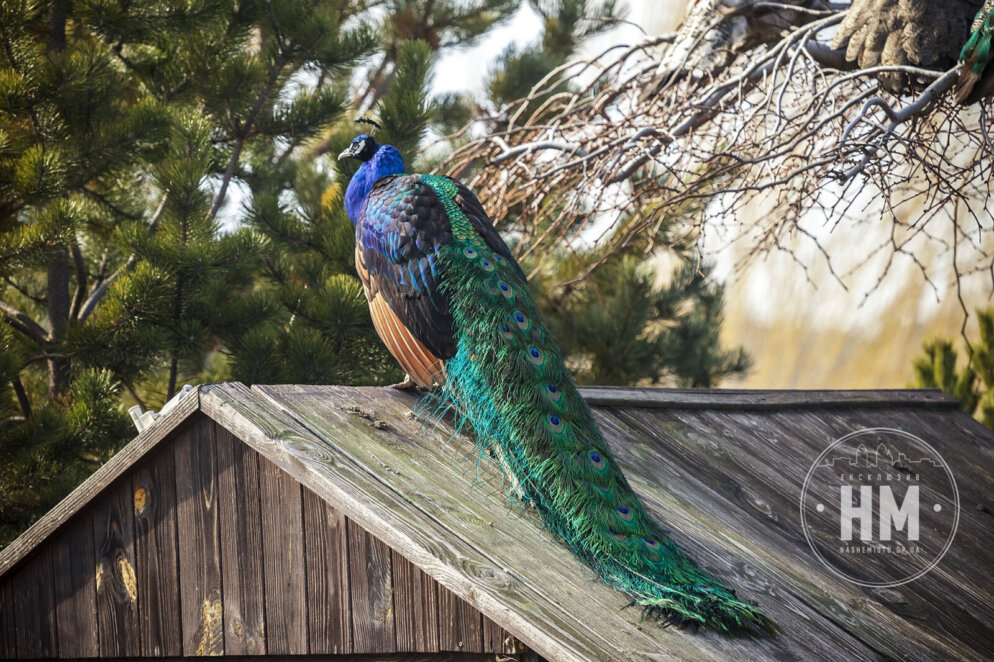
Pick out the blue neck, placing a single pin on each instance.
(386, 161)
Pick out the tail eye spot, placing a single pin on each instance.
(469, 252)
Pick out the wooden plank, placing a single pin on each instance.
(93, 486)
(415, 603)
(8, 621)
(284, 573)
(397, 657)
(241, 546)
(460, 627)
(371, 583)
(762, 400)
(496, 639)
(34, 600)
(75, 590)
(199, 539)
(328, 610)
(157, 566)
(723, 460)
(116, 587)
(464, 543)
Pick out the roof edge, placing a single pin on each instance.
(760, 400)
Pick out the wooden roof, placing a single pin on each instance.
(722, 469)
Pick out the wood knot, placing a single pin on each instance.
(127, 573)
(139, 500)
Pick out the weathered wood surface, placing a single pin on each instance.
(371, 581)
(415, 601)
(34, 600)
(75, 591)
(378, 508)
(206, 544)
(328, 594)
(761, 400)
(200, 551)
(241, 546)
(8, 620)
(727, 483)
(123, 461)
(153, 488)
(722, 470)
(283, 561)
(115, 580)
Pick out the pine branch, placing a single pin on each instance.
(22, 396)
(81, 277)
(103, 284)
(243, 133)
(23, 323)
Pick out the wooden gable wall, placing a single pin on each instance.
(206, 547)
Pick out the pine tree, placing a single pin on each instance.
(972, 384)
(169, 212)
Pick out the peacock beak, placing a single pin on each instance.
(346, 154)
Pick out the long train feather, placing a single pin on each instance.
(508, 381)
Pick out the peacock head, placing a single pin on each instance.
(377, 161)
(362, 148)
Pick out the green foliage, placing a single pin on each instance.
(169, 212)
(616, 326)
(972, 384)
(566, 25)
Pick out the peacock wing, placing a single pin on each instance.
(398, 236)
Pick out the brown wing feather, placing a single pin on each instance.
(424, 368)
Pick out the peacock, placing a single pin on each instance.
(452, 306)
(976, 77)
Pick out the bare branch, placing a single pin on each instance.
(23, 323)
(701, 134)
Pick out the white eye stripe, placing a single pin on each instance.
(360, 146)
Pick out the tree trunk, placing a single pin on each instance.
(58, 318)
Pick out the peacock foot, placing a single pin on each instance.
(407, 385)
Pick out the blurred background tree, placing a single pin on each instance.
(171, 212)
(971, 384)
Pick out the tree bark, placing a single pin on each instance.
(58, 317)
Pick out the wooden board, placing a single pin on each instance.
(115, 579)
(240, 521)
(153, 488)
(328, 594)
(461, 625)
(34, 600)
(715, 399)
(371, 582)
(8, 621)
(283, 561)
(415, 603)
(75, 594)
(199, 539)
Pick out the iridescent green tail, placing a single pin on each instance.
(975, 80)
(509, 383)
